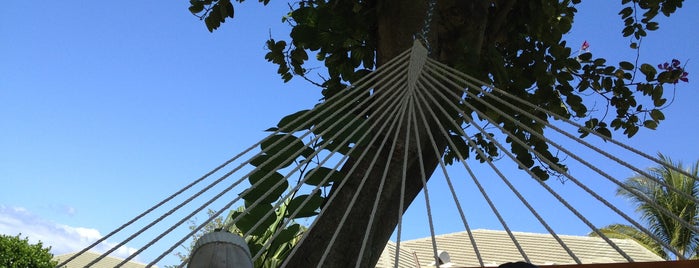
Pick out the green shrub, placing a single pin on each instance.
(16, 252)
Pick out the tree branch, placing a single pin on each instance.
(503, 9)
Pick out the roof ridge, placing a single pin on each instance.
(476, 231)
(96, 254)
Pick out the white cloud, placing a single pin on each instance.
(62, 209)
(62, 238)
(69, 210)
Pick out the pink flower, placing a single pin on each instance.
(585, 45)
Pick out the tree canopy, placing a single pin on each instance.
(18, 252)
(517, 46)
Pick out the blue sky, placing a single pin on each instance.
(106, 108)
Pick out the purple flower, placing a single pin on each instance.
(675, 63)
(675, 66)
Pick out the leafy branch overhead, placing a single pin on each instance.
(516, 46)
(522, 51)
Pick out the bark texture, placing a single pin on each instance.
(398, 22)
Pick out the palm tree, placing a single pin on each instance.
(682, 239)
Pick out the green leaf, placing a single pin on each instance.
(523, 156)
(252, 216)
(295, 122)
(616, 123)
(298, 57)
(657, 115)
(585, 56)
(650, 124)
(626, 65)
(659, 102)
(657, 92)
(338, 146)
(228, 10)
(604, 132)
(266, 184)
(631, 130)
(652, 26)
(592, 123)
(213, 21)
(346, 126)
(540, 173)
(641, 33)
(607, 83)
(285, 237)
(575, 103)
(222, 9)
(270, 163)
(303, 34)
(461, 146)
(196, 7)
(307, 210)
(626, 12)
(647, 89)
(649, 71)
(280, 247)
(285, 146)
(317, 177)
(583, 132)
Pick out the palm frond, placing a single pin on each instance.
(649, 196)
(622, 231)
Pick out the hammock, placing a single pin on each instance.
(416, 93)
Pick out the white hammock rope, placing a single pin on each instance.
(323, 181)
(592, 167)
(513, 158)
(298, 186)
(599, 198)
(401, 202)
(416, 72)
(404, 98)
(354, 198)
(576, 157)
(503, 177)
(423, 177)
(151, 209)
(383, 177)
(294, 122)
(446, 175)
(483, 192)
(473, 83)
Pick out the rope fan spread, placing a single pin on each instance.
(402, 107)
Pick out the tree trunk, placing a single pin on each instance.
(398, 22)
